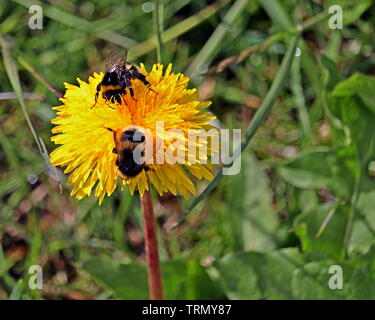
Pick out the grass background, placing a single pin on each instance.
(302, 202)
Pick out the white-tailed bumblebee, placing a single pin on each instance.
(126, 142)
(118, 79)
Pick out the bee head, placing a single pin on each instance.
(133, 135)
(133, 139)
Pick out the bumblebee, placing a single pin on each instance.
(126, 142)
(118, 79)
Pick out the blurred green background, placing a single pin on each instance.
(304, 199)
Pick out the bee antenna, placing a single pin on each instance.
(125, 55)
(109, 129)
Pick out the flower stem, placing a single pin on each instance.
(151, 243)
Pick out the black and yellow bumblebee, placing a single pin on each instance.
(118, 79)
(126, 141)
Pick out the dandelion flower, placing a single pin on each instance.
(86, 146)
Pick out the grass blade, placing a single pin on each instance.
(297, 89)
(39, 77)
(25, 95)
(157, 16)
(12, 72)
(309, 23)
(276, 13)
(177, 30)
(78, 23)
(206, 53)
(17, 290)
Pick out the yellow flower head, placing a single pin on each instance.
(87, 143)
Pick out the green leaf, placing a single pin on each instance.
(322, 229)
(318, 168)
(352, 103)
(246, 218)
(279, 266)
(358, 84)
(187, 279)
(287, 274)
(331, 72)
(251, 275)
(127, 281)
(259, 220)
(360, 278)
(358, 275)
(239, 274)
(363, 234)
(182, 279)
(343, 170)
(199, 285)
(311, 282)
(306, 171)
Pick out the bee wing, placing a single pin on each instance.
(118, 59)
(121, 59)
(125, 55)
(108, 62)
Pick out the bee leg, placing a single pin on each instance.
(110, 100)
(114, 150)
(117, 97)
(98, 87)
(122, 98)
(142, 78)
(148, 85)
(132, 93)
